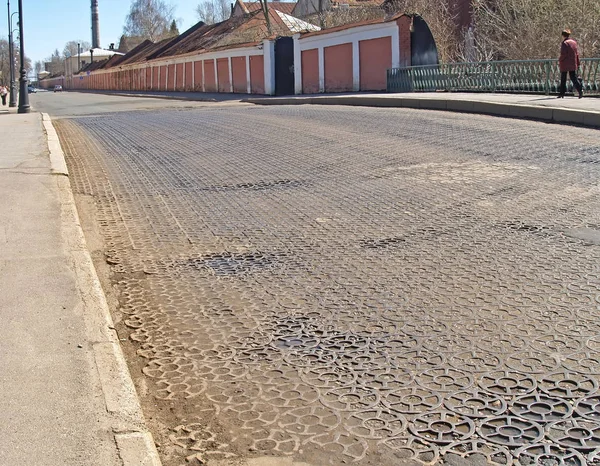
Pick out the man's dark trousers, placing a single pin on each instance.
(563, 82)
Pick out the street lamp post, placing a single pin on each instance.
(12, 102)
(23, 95)
(13, 66)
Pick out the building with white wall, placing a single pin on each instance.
(76, 62)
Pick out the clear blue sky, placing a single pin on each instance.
(50, 24)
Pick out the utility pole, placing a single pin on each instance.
(78, 57)
(23, 94)
(12, 98)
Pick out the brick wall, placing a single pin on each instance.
(404, 23)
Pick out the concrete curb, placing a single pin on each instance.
(58, 166)
(133, 440)
(532, 112)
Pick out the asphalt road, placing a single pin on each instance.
(68, 104)
(348, 285)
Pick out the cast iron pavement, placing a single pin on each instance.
(353, 285)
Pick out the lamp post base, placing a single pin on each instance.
(23, 97)
(12, 98)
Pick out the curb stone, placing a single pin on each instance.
(133, 440)
(532, 112)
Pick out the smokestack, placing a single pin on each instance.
(95, 25)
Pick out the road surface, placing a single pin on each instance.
(342, 285)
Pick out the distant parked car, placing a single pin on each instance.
(31, 89)
(58, 88)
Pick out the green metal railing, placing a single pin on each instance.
(517, 76)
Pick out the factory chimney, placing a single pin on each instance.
(95, 25)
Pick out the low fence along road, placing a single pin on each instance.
(518, 76)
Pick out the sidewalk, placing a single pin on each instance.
(67, 397)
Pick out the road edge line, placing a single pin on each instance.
(133, 440)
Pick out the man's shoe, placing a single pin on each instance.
(560, 96)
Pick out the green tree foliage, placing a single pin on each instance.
(173, 29)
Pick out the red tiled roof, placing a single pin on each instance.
(138, 54)
(246, 30)
(97, 65)
(353, 25)
(284, 7)
(250, 28)
(142, 51)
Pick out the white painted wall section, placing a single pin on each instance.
(372, 31)
(230, 74)
(396, 47)
(248, 81)
(355, 65)
(216, 75)
(297, 65)
(321, 69)
(269, 66)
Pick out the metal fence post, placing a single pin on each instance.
(387, 77)
(547, 65)
(493, 77)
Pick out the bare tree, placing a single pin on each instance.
(149, 19)
(5, 63)
(38, 66)
(70, 49)
(55, 64)
(530, 29)
(213, 11)
(264, 5)
(127, 43)
(440, 18)
(586, 26)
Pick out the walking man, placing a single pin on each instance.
(568, 63)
